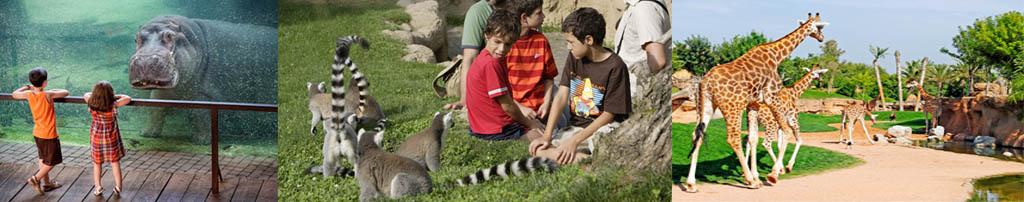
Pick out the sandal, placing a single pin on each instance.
(117, 190)
(34, 182)
(53, 185)
(98, 192)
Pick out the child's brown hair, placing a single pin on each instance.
(102, 98)
(585, 21)
(502, 23)
(37, 76)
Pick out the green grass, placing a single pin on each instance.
(717, 162)
(307, 37)
(912, 119)
(816, 94)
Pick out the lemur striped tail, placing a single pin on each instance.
(513, 168)
(341, 60)
(362, 86)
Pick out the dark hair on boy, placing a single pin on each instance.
(37, 76)
(520, 7)
(502, 23)
(500, 4)
(102, 98)
(585, 21)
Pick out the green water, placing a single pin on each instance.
(999, 188)
(82, 42)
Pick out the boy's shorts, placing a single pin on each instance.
(49, 151)
(508, 132)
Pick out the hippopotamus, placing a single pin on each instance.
(178, 58)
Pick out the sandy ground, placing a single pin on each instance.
(889, 172)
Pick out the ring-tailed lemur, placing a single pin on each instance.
(425, 147)
(320, 106)
(386, 174)
(337, 141)
(514, 168)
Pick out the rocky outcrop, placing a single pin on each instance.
(898, 131)
(989, 116)
(418, 53)
(993, 89)
(427, 28)
(648, 125)
(826, 106)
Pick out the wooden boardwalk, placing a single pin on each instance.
(139, 185)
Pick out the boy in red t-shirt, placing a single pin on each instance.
(531, 65)
(493, 114)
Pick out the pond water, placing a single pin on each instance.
(999, 188)
(82, 42)
(1015, 154)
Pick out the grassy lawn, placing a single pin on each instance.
(307, 37)
(912, 119)
(815, 94)
(717, 162)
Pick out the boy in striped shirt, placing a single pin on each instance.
(531, 65)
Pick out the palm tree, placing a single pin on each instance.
(878, 52)
(924, 70)
(941, 75)
(899, 78)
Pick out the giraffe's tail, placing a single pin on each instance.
(698, 132)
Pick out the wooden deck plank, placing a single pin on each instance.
(29, 194)
(151, 189)
(132, 181)
(81, 188)
(18, 178)
(176, 187)
(6, 170)
(268, 192)
(248, 189)
(107, 181)
(198, 189)
(227, 190)
(67, 177)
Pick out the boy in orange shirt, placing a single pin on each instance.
(531, 65)
(45, 129)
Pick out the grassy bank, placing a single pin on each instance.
(306, 44)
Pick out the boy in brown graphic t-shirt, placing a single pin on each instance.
(594, 86)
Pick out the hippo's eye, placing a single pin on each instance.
(168, 37)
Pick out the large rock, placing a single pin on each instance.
(993, 89)
(984, 141)
(643, 143)
(898, 131)
(988, 116)
(810, 106)
(937, 131)
(429, 27)
(611, 10)
(903, 141)
(419, 53)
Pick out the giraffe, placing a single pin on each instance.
(930, 104)
(787, 97)
(854, 113)
(738, 85)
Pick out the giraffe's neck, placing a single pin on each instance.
(924, 95)
(780, 49)
(802, 84)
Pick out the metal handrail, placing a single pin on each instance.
(212, 106)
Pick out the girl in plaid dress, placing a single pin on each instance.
(105, 137)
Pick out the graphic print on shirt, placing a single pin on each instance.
(585, 97)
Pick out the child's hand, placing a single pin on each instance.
(539, 144)
(529, 113)
(543, 113)
(567, 152)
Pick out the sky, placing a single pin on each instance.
(917, 28)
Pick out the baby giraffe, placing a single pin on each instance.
(787, 97)
(854, 113)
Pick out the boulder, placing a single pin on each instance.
(993, 89)
(903, 141)
(418, 53)
(881, 138)
(429, 27)
(911, 98)
(680, 77)
(649, 125)
(811, 106)
(937, 131)
(898, 131)
(984, 141)
(934, 138)
(401, 35)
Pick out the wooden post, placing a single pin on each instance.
(215, 168)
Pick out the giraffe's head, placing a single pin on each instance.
(815, 26)
(815, 72)
(912, 84)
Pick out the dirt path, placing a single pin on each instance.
(889, 172)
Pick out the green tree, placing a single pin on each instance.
(740, 44)
(996, 41)
(694, 54)
(878, 52)
(942, 74)
(830, 59)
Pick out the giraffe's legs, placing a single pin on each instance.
(866, 133)
(705, 111)
(849, 132)
(792, 158)
(752, 139)
(733, 118)
(842, 127)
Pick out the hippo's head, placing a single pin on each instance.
(161, 46)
